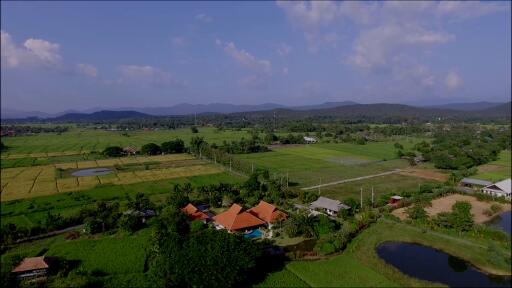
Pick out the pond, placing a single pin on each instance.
(429, 264)
(92, 172)
(503, 222)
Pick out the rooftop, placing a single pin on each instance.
(236, 219)
(475, 182)
(326, 203)
(194, 213)
(505, 185)
(267, 212)
(34, 263)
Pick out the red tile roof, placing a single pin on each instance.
(34, 263)
(193, 213)
(236, 219)
(267, 212)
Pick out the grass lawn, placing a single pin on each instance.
(496, 170)
(392, 183)
(359, 265)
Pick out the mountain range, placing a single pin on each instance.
(188, 109)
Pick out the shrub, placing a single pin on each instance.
(495, 208)
(113, 151)
(416, 212)
(150, 149)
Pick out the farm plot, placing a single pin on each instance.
(79, 140)
(309, 165)
(28, 182)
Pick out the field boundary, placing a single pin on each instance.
(351, 179)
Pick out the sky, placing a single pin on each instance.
(79, 55)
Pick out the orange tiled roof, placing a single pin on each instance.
(34, 263)
(235, 219)
(267, 212)
(193, 213)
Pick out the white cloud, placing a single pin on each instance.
(203, 18)
(283, 49)
(453, 80)
(146, 75)
(461, 10)
(246, 59)
(87, 69)
(39, 53)
(308, 14)
(45, 51)
(10, 54)
(178, 41)
(285, 71)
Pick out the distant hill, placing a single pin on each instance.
(104, 115)
(466, 106)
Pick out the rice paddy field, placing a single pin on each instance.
(81, 140)
(29, 182)
(310, 165)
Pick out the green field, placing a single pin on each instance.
(309, 165)
(120, 257)
(79, 140)
(393, 183)
(496, 170)
(359, 265)
(28, 212)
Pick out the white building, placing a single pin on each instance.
(330, 206)
(499, 189)
(309, 140)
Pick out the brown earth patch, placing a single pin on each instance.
(489, 168)
(425, 173)
(444, 204)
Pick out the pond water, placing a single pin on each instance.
(429, 264)
(92, 172)
(503, 222)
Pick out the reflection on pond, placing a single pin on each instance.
(429, 264)
(92, 172)
(503, 222)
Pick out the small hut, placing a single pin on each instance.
(34, 267)
(394, 201)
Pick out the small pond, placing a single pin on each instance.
(92, 172)
(502, 221)
(429, 264)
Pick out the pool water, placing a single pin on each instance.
(256, 233)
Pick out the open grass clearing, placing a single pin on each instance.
(444, 204)
(496, 170)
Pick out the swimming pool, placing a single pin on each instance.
(256, 233)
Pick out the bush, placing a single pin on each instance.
(174, 146)
(416, 212)
(495, 208)
(113, 151)
(150, 149)
(196, 226)
(130, 222)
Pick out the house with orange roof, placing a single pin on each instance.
(34, 267)
(235, 219)
(268, 213)
(194, 213)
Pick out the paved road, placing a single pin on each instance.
(350, 180)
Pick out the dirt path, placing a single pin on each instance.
(425, 173)
(351, 180)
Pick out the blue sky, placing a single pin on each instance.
(79, 55)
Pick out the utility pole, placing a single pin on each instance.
(252, 168)
(361, 198)
(230, 164)
(286, 179)
(372, 196)
(319, 185)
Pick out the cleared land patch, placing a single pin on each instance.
(496, 170)
(444, 204)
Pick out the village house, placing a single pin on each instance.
(237, 220)
(474, 183)
(394, 201)
(34, 267)
(268, 213)
(309, 140)
(141, 214)
(130, 150)
(193, 213)
(499, 189)
(330, 206)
